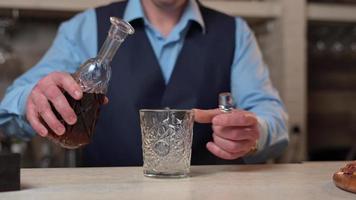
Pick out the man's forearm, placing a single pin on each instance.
(12, 112)
(16, 126)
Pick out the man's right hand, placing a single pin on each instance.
(49, 89)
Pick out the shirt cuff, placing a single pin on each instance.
(13, 112)
(263, 129)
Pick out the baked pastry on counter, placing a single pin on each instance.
(345, 178)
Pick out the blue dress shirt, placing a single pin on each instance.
(76, 41)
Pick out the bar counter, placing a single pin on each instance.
(311, 180)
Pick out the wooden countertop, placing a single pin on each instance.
(247, 182)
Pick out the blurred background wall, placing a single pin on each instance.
(310, 47)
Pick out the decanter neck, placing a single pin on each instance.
(118, 32)
(109, 49)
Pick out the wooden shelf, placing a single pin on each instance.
(331, 12)
(235, 8)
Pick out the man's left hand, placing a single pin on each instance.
(235, 133)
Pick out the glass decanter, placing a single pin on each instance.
(93, 76)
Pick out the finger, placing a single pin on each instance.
(235, 118)
(61, 104)
(205, 116)
(218, 152)
(44, 109)
(236, 133)
(106, 100)
(232, 146)
(33, 119)
(67, 82)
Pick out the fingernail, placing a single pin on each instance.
(60, 130)
(44, 132)
(72, 120)
(77, 93)
(208, 145)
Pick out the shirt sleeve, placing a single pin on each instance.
(253, 91)
(76, 41)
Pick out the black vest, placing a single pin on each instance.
(201, 72)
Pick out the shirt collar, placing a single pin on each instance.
(192, 12)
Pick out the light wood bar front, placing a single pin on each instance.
(246, 182)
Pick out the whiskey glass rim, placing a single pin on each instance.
(167, 110)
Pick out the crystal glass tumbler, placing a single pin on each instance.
(166, 142)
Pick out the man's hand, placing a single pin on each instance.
(235, 133)
(49, 89)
